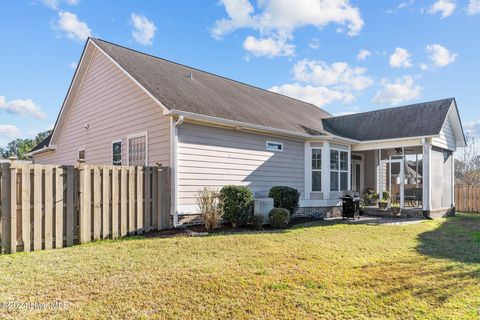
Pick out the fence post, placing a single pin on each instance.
(5, 207)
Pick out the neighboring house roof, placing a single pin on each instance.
(42, 144)
(421, 119)
(207, 94)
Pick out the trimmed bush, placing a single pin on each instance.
(279, 217)
(236, 204)
(257, 221)
(285, 197)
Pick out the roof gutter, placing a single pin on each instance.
(254, 127)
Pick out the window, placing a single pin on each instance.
(137, 150)
(274, 146)
(338, 170)
(81, 154)
(117, 153)
(316, 169)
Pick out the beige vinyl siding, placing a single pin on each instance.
(210, 156)
(114, 107)
(447, 137)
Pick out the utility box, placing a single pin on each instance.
(262, 206)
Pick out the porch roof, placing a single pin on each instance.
(421, 119)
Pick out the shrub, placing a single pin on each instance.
(257, 221)
(279, 217)
(370, 197)
(209, 205)
(285, 197)
(386, 196)
(236, 204)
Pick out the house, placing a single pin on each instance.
(127, 107)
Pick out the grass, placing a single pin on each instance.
(429, 270)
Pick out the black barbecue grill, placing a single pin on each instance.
(351, 206)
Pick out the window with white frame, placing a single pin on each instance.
(117, 153)
(274, 146)
(316, 170)
(137, 150)
(338, 170)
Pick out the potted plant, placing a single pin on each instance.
(370, 197)
(395, 210)
(383, 203)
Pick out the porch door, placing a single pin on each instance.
(357, 175)
(392, 179)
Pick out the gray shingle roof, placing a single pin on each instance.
(216, 96)
(42, 144)
(421, 119)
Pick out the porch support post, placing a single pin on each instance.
(453, 180)
(349, 168)
(427, 173)
(326, 170)
(380, 174)
(308, 170)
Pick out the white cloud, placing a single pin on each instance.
(144, 29)
(473, 7)
(440, 55)
(444, 7)
(472, 128)
(314, 43)
(75, 29)
(9, 131)
(344, 113)
(402, 89)
(400, 59)
(268, 47)
(318, 96)
(423, 66)
(73, 65)
(54, 4)
(339, 75)
(278, 19)
(21, 108)
(363, 54)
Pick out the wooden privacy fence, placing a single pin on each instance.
(467, 198)
(50, 206)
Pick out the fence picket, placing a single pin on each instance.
(124, 202)
(131, 201)
(48, 207)
(148, 199)
(106, 202)
(5, 207)
(37, 207)
(70, 205)
(26, 208)
(59, 207)
(97, 197)
(115, 197)
(139, 186)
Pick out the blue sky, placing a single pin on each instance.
(412, 51)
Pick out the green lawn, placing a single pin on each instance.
(319, 270)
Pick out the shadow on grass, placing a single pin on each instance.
(457, 239)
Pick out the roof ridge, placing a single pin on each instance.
(207, 72)
(393, 108)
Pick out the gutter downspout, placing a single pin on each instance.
(174, 169)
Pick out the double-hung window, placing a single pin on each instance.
(338, 170)
(117, 153)
(316, 170)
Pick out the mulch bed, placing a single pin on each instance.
(199, 230)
